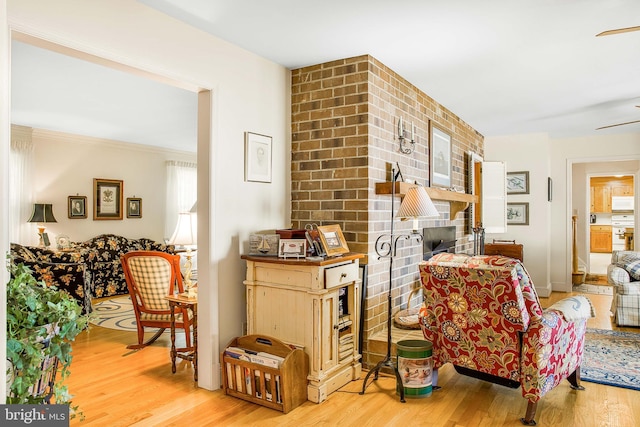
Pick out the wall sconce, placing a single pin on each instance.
(406, 145)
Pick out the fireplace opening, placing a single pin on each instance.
(437, 240)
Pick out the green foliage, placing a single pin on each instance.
(41, 323)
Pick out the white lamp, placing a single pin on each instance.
(416, 204)
(186, 234)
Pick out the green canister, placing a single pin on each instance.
(415, 367)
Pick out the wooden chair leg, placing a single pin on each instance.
(574, 380)
(151, 340)
(529, 417)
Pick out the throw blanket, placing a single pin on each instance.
(575, 308)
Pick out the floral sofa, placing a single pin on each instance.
(64, 270)
(482, 314)
(89, 269)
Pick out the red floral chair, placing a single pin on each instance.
(482, 314)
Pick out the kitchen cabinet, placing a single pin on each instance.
(600, 198)
(312, 305)
(601, 238)
(622, 189)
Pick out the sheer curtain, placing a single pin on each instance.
(181, 191)
(20, 188)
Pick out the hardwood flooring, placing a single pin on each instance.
(117, 387)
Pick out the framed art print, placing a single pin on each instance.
(292, 248)
(257, 157)
(134, 207)
(518, 182)
(440, 158)
(77, 207)
(517, 213)
(107, 199)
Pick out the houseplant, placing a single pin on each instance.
(41, 323)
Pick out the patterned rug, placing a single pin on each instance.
(115, 313)
(612, 358)
(594, 289)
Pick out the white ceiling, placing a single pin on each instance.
(503, 66)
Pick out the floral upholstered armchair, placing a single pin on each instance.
(482, 314)
(68, 272)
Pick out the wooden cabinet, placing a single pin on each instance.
(622, 189)
(604, 187)
(600, 198)
(601, 238)
(314, 305)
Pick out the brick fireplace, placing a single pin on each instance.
(343, 124)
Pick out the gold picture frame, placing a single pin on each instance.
(333, 240)
(107, 199)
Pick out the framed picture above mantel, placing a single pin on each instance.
(107, 199)
(440, 158)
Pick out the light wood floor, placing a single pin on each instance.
(117, 387)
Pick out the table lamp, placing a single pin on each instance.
(185, 235)
(42, 213)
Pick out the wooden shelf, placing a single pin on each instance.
(459, 201)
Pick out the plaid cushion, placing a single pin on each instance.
(632, 266)
(152, 277)
(628, 310)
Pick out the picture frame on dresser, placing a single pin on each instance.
(333, 240)
(440, 158)
(77, 207)
(107, 199)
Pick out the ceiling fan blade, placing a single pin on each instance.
(618, 31)
(619, 124)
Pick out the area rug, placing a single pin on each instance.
(611, 358)
(115, 313)
(594, 289)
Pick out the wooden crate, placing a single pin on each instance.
(508, 248)
(282, 388)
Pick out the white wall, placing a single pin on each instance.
(527, 153)
(550, 235)
(249, 94)
(65, 165)
(5, 131)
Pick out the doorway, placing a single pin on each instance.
(208, 377)
(611, 218)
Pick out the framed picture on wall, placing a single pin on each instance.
(134, 207)
(517, 213)
(440, 158)
(107, 199)
(518, 182)
(77, 207)
(257, 157)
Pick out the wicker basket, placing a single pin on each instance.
(408, 318)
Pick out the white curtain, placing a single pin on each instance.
(182, 191)
(20, 188)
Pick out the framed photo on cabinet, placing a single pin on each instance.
(440, 158)
(107, 199)
(333, 240)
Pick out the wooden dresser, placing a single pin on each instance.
(314, 305)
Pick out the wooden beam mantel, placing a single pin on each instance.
(459, 201)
